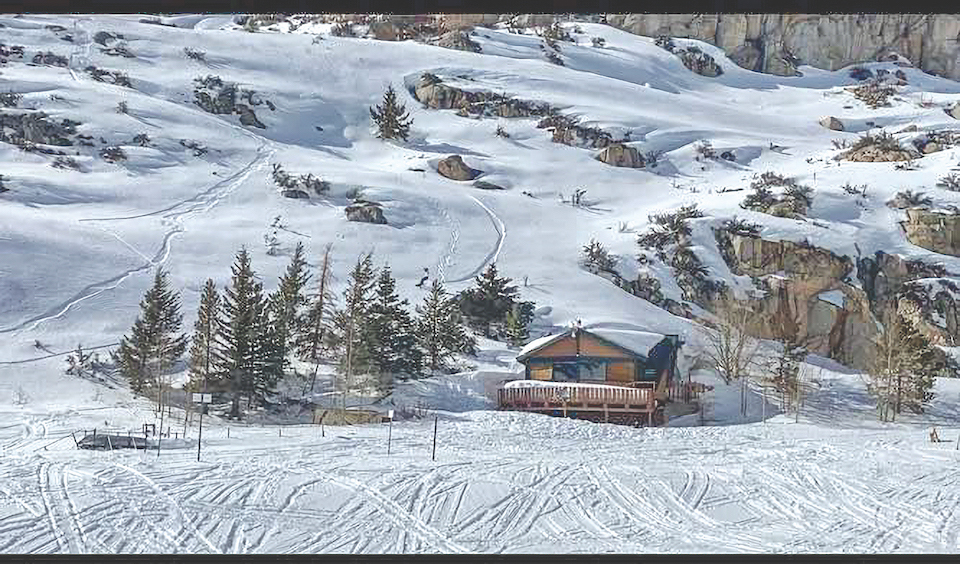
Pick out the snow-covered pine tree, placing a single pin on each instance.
(206, 360)
(440, 329)
(314, 324)
(351, 327)
(391, 117)
(242, 308)
(289, 300)
(393, 339)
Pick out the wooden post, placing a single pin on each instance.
(435, 420)
(958, 443)
(279, 431)
(200, 431)
(75, 439)
(228, 432)
(390, 435)
(109, 443)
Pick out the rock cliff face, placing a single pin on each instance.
(935, 231)
(810, 293)
(777, 43)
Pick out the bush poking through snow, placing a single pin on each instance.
(882, 140)
(198, 149)
(117, 78)
(51, 59)
(342, 29)
(739, 226)
(501, 132)
(950, 182)
(793, 202)
(2, 187)
(909, 199)
(141, 139)
(598, 42)
(909, 164)
(597, 259)
(66, 163)
(113, 154)
(704, 150)
(122, 107)
(10, 99)
(855, 190)
(873, 92)
(298, 184)
(195, 54)
(860, 73)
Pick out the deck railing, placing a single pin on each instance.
(635, 398)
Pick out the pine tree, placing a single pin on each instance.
(486, 305)
(154, 344)
(440, 330)
(206, 361)
(351, 334)
(391, 117)
(314, 324)
(268, 358)
(133, 355)
(242, 307)
(289, 300)
(393, 340)
(516, 331)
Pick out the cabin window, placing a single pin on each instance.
(580, 371)
(565, 372)
(593, 371)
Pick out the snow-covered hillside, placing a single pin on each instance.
(78, 248)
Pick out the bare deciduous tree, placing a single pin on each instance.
(730, 349)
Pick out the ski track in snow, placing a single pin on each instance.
(494, 254)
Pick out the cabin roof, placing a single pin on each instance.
(637, 343)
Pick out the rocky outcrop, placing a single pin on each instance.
(36, 127)
(366, 212)
(567, 131)
(215, 96)
(808, 292)
(248, 117)
(699, 62)
(454, 168)
(621, 155)
(937, 231)
(484, 185)
(431, 91)
(805, 293)
(458, 39)
(831, 122)
(777, 43)
(295, 194)
(877, 154)
(932, 305)
(953, 111)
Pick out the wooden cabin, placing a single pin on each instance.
(633, 375)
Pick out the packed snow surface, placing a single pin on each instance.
(78, 248)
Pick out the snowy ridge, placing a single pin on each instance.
(78, 247)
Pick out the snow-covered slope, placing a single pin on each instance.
(77, 249)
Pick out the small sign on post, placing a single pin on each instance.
(202, 398)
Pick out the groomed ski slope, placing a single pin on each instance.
(77, 250)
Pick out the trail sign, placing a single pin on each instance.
(202, 398)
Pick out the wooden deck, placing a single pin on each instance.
(638, 403)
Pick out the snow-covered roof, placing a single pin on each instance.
(542, 342)
(638, 342)
(551, 384)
